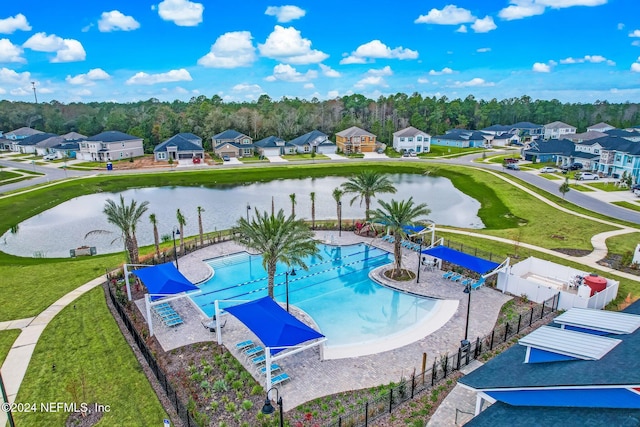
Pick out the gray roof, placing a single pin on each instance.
(498, 128)
(525, 125)
(227, 134)
(354, 131)
(310, 138)
(599, 320)
(112, 136)
(270, 141)
(23, 131)
(410, 131)
(621, 133)
(585, 136)
(599, 126)
(36, 138)
(552, 146)
(73, 136)
(235, 144)
(463, 135)
(558, 125)
(569, 343)
(183, 142)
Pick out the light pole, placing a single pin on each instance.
(5, 401)
(268, 408)
(419, 259)
(248, 209)
(340, 219)
(175, 251)
(465, 342)
(286, 281)
(34, 91)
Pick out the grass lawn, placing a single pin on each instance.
(500, 158)
(606, 186)
(623, 243)
(299, 157)
(253, 159)
(94, 364)
(7, 175)
(628, 205)
(552, 176)
(449, 152)
(581, 187)
(101, 165)
(7, 338)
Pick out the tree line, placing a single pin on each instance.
(287, 118)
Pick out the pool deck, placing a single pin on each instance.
(312, 377)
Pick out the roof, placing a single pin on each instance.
(558, 125)
(551, 146)
(73, 136)
(235, 144)
(507, 370)
(410, 131)
(498, 128)
(227, 134)
(525, 125)
(310, 138)
(621, 133)
(36, 138)
(569, 343)
(112, 136)
(600, 126)
(585, 136)
(600, 320)
(463, 135)
(479, 265)
(164, 279)
(269, 141)
(183, 142)
(23, 131)
(353, 131)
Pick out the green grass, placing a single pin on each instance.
(30, 172)
(623, 243)
(628, 205)
(500, 158)
(101, 165)
(552, 176)
(253, 159)
(580, 187)
(449, 152)
(94, 364)
(6, 175)
(542, 165)
(7, 338)
(390, 152)
(300, 157)
(606, 186)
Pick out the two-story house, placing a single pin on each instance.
(557, 130)
(16, 135)
(527, 131)
(28, 145)
(314, 141)
(110, 145)
(186, 146)
(233, 144)
(274, 146)
(355, 140)
(411, 139)
(463, 138)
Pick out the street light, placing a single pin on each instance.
(268, 408)
(248, 209)
(175, 251)
(287, 273)
(465, 342)
(340, 219)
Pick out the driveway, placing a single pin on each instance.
(276, 159)
(370, 156)
(232, 161)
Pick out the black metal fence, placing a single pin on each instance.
(443, 367)
(472, 250)
(179, 407)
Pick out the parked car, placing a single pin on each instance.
(412, 153)
(586, 176)
(513, 166)
(50, 156)
(406, 153)
(226, 158)
(548, 169)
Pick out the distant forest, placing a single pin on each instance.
(287, 118)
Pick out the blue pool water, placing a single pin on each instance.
(335, 291)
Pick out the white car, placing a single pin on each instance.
(50, 156)
(587, 176)
(548, 169)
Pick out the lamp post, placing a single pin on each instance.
(465, 342)
(292, 273)
(340, 219)
(248, 210)
(175, 251)
(268, 408)
(419, 260)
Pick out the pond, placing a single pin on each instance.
(54, 232)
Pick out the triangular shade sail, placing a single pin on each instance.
(470, 262)
(164, 279)
(272, 324)
(413, 229)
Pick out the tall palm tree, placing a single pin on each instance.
(182, 221)
(280, 239)
(313, 209)
(126, 218)
(292, 196)
(200, 210)
(395, 215)
(337, 196)
(156, 237)
(365, 185)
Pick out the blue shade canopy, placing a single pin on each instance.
(470, 262)
(413, 229)
(272, 324)
(164, 279)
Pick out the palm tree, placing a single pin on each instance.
(313, 209)
(292, 196)
(280, 239)
(337, 196)
(365, 185)
(156, 238)
(126, 218)
(182, 221)
(200, 210)
(395, 215)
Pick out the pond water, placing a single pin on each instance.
(54, 232)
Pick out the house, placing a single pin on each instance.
(44, 146)
(506, 138)
(556, 130)
(463, 138)
(527, 131)
(28, 144)
(314, 141)
(180, 146)
(582, 369)
(497, 129)
(233, 144)
(553, 150)
(110, 145)
(617, 156)
(600, 127)
(411, 139)
(274, 146)
(585, 136)
(355, 140)
(5, 144)
(68, 147)
(631, 136)
(16, 135)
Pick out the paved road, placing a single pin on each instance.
(50, 174)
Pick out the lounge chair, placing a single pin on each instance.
(391, 239)
(244, 344)
(254, 351)
(456, 277)
(466, 281)
(257, 361)
(478, 283)
(281, 378)
(174, 321)
(447, 274)
(274, 368)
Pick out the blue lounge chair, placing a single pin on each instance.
(478, 283)
(466, 281)
(244, 344)
(278, 379)
(447, 274)
(456, 277)
(257, 361)
(391, 239)
(174, 322)
(253, 351)
(274, 368)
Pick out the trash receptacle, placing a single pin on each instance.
(109, 166)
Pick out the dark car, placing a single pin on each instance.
(572, 167)
(226, 158)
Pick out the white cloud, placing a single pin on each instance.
(231, 50)
(423, 80)
(332, 94)
(386, 71)
(143, 78)
(634, 33)
(561, 4)
(13, 23)
(475, 82)
(483, 50)
(181, 12)
(519, 9)
(462, 29)
(246, 87)
(10, 52)
(445, 70)
(20, 91)
(82, 92)
(484, 25)
(45, 90)
(540, 67)
(594, 59)
(328, 71)
(449, 15)
(117, 21)
(287, 45)
(285, 13)
(371, 81)
(286, 73)
(89, 78)
(635, 67)
(309, 86)
(376, 49)
(67, 50)
(12, 77)
(620, 26)
(635, 43)
(2, 91)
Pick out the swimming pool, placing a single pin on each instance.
(349, 308)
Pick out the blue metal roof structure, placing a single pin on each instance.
(470, 262)
(164, 279)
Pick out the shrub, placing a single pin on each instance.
(247, 404)
(205, 384)
(231, 407)
(220, 386)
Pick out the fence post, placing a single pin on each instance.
(506, 331)
(413, 384)
(542, 311)
(459, 357)
(340, 421)
(390, 399)
(366, 413)
(478, 351)
(531, 317)
(492, 335)
(519, 320)
(434, 373)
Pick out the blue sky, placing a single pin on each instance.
(570, 50)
